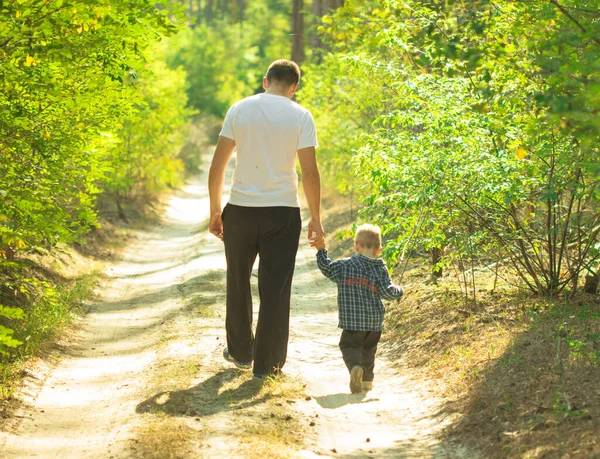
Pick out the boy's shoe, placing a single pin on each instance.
(241, 365)
(356, 375)
(367, 385)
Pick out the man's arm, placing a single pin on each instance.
(216, 181)
(311, 182)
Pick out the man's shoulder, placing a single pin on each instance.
(247, 100)
(301, 108)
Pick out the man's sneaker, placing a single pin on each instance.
(356, 375)
(367, 385)
(229, 358)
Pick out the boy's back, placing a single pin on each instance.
(362, 283)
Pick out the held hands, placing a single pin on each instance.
(316, 234)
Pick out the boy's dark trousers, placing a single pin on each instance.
(272, 233)
(359, 348)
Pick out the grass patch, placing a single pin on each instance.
(273, 429)
(50, 301)
(164, 437)
(276, 435)
(201, 407)
(205, 294)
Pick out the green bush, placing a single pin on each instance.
(470, 128)
(87, 105)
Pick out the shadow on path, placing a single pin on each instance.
(205, 399)
(334, 401)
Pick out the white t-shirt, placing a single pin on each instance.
(268, 131)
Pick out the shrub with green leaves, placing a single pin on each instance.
(6, 334)
(87, 106)
(478, 129)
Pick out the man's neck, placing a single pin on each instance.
(276, 92)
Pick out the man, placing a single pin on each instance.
(262, 217)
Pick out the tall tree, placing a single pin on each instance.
(319, 9)
(298, 31)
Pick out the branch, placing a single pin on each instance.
(572, 19)
(6, 42)
(563, 244)
(516, 260)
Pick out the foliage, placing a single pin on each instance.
(141, 151)
(483, 138)
(226, 53)
(82, 93)
(6, 338)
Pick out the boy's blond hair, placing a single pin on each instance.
(368, 236)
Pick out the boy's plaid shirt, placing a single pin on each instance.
(362, 283)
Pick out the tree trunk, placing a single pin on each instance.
(334, 4)
(298, 31)
(120, 211)
(319, 9)
(208, 11)
(316, 44)
(9, 253)
(199, 11)
(591, 284)
(436, 271)
(242, 9)
(234, 11)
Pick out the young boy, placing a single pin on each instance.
(362, 280)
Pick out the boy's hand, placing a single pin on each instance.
(318, 243)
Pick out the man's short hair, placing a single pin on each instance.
(368, 236)
(284, 71)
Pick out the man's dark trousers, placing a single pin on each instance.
(359, 348)
(273, 234)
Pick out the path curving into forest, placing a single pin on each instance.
(98, 397)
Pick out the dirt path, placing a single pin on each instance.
(145, 376)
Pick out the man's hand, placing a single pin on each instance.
(315, 231)
(216, 225)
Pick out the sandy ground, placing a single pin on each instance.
(93, 403)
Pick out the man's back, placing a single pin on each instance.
(268, 130)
